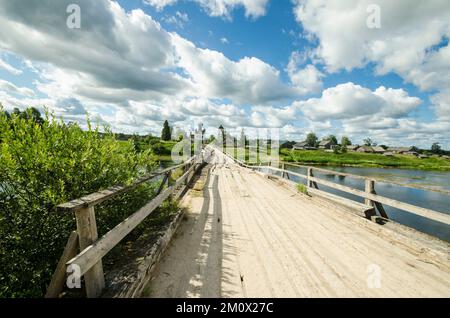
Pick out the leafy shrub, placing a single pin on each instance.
(302, 188)
(42, 165)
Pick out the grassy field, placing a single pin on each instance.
(350, 159)
(356, 159)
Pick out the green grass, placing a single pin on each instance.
(356, 159)
(302, 188)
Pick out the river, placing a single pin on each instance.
(437, 201)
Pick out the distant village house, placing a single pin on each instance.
(327, 144)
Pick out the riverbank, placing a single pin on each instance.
(368, 160)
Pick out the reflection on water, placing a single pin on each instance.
(427, 199)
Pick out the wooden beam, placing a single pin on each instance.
(56, 285)
(87, 234)
(426, 213)
(93, 253)
(163, 182)
(100, 196)
(338, 173)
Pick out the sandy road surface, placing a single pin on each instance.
(248, 236)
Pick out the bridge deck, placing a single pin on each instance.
(248, 236)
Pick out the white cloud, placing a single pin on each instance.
(111, 42)
(306, 80)
(160, 4)
(248, 80)
(179, 19)
(11, 69)
(223, 8)
(441, 104)
(224, 40)
(11, 88)
(347, 101)
(183, 16)
(412, 40)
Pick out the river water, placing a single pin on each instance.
(437, 201)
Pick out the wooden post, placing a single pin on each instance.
(369, 188)
(87, 234)
(56, 285)
(309, 175)
(282, 173)
(310, 183)
(379, 206)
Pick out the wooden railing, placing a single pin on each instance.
(89, 261)
(369, 194)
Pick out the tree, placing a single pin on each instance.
(311, 139)
(165, 134)
(435, 148)
(345, 141)
(369, 142)
(332, 138)
(29, 113)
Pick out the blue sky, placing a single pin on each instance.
(299, 66)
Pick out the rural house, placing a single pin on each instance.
(366, 149)
(352, 147)
(401, 149)
(300, 145)
(326, 144)
(378, 149)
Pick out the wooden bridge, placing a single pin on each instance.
(252, 234)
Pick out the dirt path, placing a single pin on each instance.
(247, 236)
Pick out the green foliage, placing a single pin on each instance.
(332, 138)
(369, 142)
(166, 132)
(345, 141)
(302, 188)
(436, 148)
(311, 140)
(45, 164)
(337, 149)
(357, 159)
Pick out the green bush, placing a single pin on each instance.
(302, 188)
(43, 164)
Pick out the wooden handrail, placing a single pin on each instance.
(96, 251)
(343, 174)
(369, 195)
(101, 196)
(89, 260)
(427, 213)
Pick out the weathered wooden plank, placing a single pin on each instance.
(338, 173)
(427, 213)
(93, 253)
(56, 285)
(288, 172)
(361, 209)
(87, 234)
(101, 196)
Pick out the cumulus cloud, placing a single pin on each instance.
(223, 8)
(306, 80)
(11, 88)
(113, 49)
(9, 68)
(248, 80)
(412, 40)
(346, 101)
